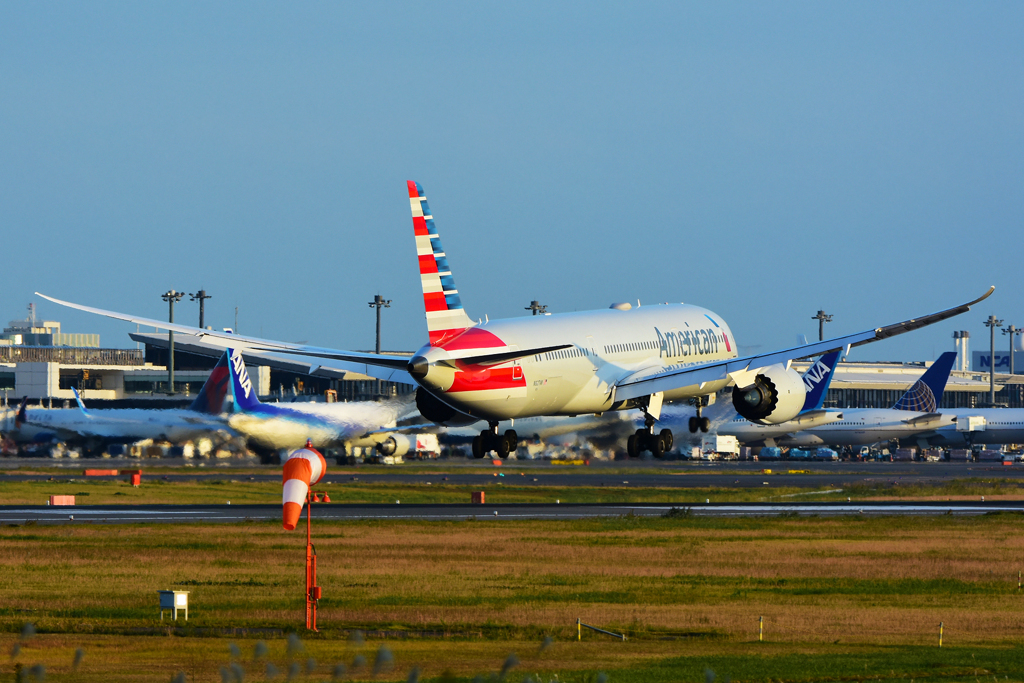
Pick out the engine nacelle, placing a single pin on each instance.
(396, 444)
(777, 395)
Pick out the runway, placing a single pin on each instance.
(179, 514)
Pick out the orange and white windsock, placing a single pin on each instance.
(304, 467)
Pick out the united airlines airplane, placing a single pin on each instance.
(915, 412)
(570, 363)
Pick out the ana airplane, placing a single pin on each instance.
(816, 380)
(276, 426)
(915, 412)
(95, 428)
(570, 363)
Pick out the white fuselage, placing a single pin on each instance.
(866, 426)
(126, 424)
(1001, 426)
(607, 345)
(753, 434)
(326, 425)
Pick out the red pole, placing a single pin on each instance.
(312, 590)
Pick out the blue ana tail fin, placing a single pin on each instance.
(242, 389)
(925, 395)
(78, 400)
(22, 416)
(816, 380)
(211, 397)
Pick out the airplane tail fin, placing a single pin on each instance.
(925, 394)
(81, 404)
(242, 389)
(445, 315)
(22, 416)
(211, 397)
(816, 380)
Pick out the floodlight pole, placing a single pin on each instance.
(1012, 332)
(171, 296)
(822, 317)
(378, 303)
(201, 296)
(992, 323)
(537, 308)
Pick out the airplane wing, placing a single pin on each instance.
(383, 366)
(652, 380)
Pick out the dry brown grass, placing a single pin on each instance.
(816, 581)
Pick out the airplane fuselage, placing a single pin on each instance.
(606, 345)
(866, 426)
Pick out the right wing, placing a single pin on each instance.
(652, 380)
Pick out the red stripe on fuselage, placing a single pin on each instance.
(726, 338)
(479, 378)
(473, 338)
(428, 264)
(440, 337)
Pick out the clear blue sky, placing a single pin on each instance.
(763, 160)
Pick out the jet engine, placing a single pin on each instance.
(776, 395)
(436, 410)
(396, 444)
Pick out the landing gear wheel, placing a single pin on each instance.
(666, 436)
(478, 447)
(502, 446)
(705, 424)
(631, 446)
(694, 425)
(657, 446)
(513, 440)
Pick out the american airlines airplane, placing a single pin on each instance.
(324, 425)
(915, 412)
(571, 363)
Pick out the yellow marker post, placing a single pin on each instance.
(579, 630)
(940, 634)
(760, 629)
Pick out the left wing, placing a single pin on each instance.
(653, 380)
(383, 366)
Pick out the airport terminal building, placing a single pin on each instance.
(37, 360)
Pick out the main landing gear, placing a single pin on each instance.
(699, 423)
(491, 440)
(646, 440)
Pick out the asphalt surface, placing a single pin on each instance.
(630, 474)
(177, 514)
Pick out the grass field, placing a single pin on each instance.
(510, 487)
(842, 599)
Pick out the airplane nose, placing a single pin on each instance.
(418, 367)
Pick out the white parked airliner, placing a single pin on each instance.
(569, 363)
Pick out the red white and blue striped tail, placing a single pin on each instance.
(445, 316)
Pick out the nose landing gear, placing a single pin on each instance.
(491, 440)
(699, 423)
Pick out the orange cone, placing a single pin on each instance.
(304, 467)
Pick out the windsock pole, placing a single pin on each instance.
(312, 590)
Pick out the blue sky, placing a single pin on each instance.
(762, 160)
